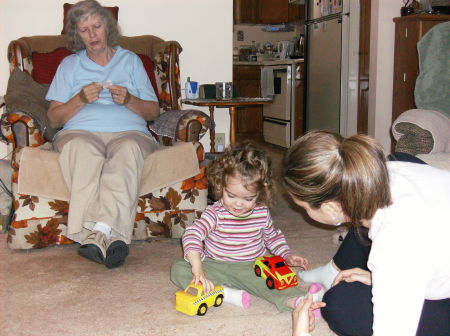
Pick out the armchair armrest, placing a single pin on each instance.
(20, 129)
(420, 131)
(181, 125)
(20, 50)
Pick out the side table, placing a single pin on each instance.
(232, 105)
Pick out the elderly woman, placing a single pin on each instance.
(102, 97)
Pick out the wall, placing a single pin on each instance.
(381, 69)
(203, 28)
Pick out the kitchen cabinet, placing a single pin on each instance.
(245, 11)
(247, 82)
(267, 11)
(278, 11)
(408, 31)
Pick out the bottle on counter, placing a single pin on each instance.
(191, 89)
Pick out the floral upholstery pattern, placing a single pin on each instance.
(184, 121)
(40, 222)
(167, 68)
(35, 138)
(165, 213)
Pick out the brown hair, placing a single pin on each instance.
(82, 10)
(247, 162)
(323, 166)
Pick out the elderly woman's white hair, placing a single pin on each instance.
(81, 11)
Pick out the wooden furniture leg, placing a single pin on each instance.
(212, 132)
(232, 125)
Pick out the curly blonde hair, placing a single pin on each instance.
(81, 11)
(248, 163)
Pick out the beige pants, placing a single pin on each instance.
(102, 172)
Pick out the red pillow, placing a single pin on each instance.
(46, 64)
(150, 69)
(114, 11)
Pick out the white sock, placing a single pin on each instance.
(103, 228)
(237, 297)
(324, 275)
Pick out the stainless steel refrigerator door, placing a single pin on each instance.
(324, 75)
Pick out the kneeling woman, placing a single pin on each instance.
(400, 285)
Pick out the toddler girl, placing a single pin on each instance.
(221, 246)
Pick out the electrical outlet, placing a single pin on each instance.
(219, 141)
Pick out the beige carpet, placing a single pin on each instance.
(53, 291)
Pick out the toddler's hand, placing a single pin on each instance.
(295, 261)
(199, 277)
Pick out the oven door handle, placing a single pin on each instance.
(282, 123)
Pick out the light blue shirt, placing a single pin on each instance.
(125, 69)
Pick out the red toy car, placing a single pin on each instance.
(276, 272)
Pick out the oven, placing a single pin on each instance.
(279, 80)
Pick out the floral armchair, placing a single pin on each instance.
(163, 213)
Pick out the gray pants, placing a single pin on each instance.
(239, 275)
(102, 172)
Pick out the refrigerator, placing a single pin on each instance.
(331, 61)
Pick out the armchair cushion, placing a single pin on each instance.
(149, 67)
(25, 95)
(46, 64)
(48, 182)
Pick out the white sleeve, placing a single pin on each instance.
(400, 274)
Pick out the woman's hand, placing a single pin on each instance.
(352, 275)
(90, 93)
(119, 94)
(297, 261)
(149, 110)
(302, 317)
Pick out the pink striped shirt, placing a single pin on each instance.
(220, 235)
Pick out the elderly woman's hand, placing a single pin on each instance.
(90, 93)
(119, 94)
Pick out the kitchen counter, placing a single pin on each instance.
(274, 62)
